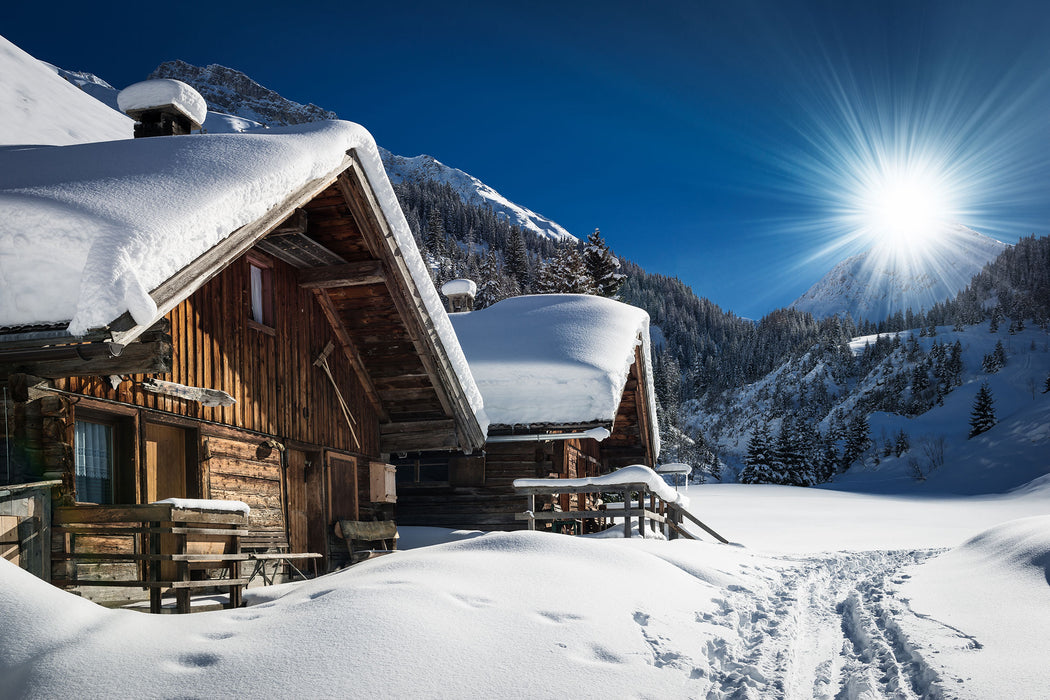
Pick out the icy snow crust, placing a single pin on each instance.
(553, 358)
(634, 474)
(88, 230)
(39, 107)
(164, 91)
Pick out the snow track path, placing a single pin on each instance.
(827, 629)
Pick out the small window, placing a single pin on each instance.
(260, 285)
(95, 461)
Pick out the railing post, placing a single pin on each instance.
(532, 511)
(627, 514)
(641, 511)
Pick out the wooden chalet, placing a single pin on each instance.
(558, 373)
(283, 366)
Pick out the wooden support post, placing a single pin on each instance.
(641, 512)
(182, 573)
(627, 514)
(154, 568)
(532, 511)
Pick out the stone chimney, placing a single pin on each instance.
(460, 295)
(163, 107)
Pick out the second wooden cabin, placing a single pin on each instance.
(568, 392)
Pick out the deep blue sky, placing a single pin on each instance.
(698, 135)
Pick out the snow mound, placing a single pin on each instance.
(37, 106)
(505, 614)
(149, 94)
(207, 504)
(552, 358)
(985, 608)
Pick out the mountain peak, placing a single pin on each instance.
(880, 281)
(231, 91)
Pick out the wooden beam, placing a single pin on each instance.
(89, 360)
(348, 275)
(295, 223)
(418, 426)
(350, 350)
(419, 441)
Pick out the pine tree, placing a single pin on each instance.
(565, 273)
(517, 261)
(603, 266)
(982, 417)
(995, 360)
(857, 440)
(493, 283)
(758, 462)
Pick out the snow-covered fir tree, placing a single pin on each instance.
(759, 468)
(603, 266)
(982, 417)
(565, 273)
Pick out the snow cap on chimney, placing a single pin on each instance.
(460, 293)
(163, 107)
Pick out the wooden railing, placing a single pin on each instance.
(658, 514)
(151, 546)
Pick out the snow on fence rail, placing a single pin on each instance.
(666, 509)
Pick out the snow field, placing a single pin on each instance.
(525, 614)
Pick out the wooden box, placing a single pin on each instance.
(382, 482)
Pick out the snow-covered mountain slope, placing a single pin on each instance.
(877, 283)
(818, 389)
(232, 92)
(472, 191)
(39, 106)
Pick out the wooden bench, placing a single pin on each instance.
(165, 540)
(362, 536)
(270, 545)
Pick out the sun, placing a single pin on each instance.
(904, 207)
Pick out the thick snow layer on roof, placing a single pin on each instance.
(207, 504)
(161, 92)
(634, 474)
(87, 231)
(552, 358)
(39, 107)
(459, 286)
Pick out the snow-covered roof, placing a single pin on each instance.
(87, 231)
(553, 358)
(162, 92)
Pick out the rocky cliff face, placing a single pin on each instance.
(230, 91)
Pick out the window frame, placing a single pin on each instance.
(266, 294)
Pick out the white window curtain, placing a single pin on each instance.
(94, 462)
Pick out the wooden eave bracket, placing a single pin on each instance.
(347, 275)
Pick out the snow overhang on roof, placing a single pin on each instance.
(93, 233)
(554, 358)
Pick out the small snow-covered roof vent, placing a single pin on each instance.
(460, 293)
(163, 107)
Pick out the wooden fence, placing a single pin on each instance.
(639, 502)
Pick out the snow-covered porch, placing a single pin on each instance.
(643, 494)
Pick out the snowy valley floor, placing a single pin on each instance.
(832, 595)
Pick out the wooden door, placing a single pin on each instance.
(165, 462)
(342, 488)
(298, 518)
(165, 476)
